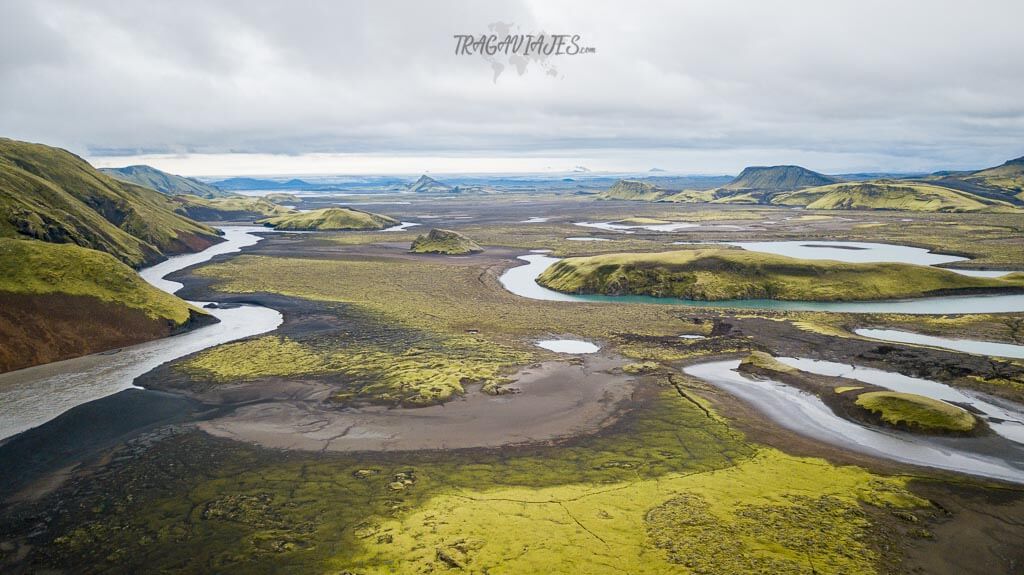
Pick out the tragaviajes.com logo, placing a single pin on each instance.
(502, 48)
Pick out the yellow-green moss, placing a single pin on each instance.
(641, 368)
(35, 267)
(917, 411)
(770, 514)
(417, 375)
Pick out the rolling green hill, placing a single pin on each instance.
(330, 219)
(233, 208)
(722, 274)
(887, 195)
(62, 300)
(53, 195)
(163, 182)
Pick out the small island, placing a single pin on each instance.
(446, 242)
(724, 274)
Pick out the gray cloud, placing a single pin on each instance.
(706, 86)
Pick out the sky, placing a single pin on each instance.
(218, 87)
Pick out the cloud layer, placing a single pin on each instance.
(692, 86)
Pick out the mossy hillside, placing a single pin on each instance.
(229, 208)
(50, 194)
(446, 242)
(917, 411)
(888, 195)
(35, 267)
(428, 371)
(718, 274)
(330, 219)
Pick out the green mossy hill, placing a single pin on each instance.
(230, 208)
(163, 182)
(721, 274)
(917, 411)
(331, 219)
(634, 190)
(34, 267)
(53, 195)
(888, 195)
(444, 242)
(777, 179)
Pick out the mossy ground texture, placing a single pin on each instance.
(423, 374)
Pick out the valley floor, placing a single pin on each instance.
(402, 419)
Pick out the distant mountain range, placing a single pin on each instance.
(239, 184)
(992, 189)
(163, 182)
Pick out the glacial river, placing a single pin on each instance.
(32, 396)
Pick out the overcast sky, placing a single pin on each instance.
(216, 87)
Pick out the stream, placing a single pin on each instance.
(32, 396)
(806, 414)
